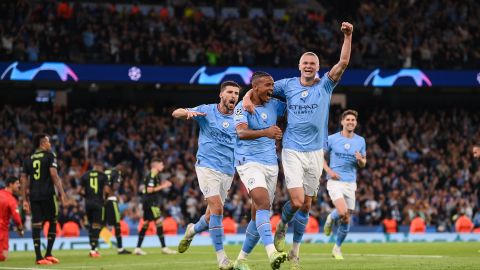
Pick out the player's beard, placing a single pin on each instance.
(229, 104)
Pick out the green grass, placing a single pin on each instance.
(418, 256)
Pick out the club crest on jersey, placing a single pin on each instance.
(347, 146)
(304, 94)
(251, 181)
(225, 124)
(264, 116)
(238, 111)
(206, 190)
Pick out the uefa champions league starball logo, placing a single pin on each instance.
(347, 146)
(225, 124)
(264, 116)
(134, 73)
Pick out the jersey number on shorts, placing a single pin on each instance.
(36, 167)
(94, 183)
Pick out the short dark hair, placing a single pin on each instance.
(259, 74)
(229, 83)
(156, 160)
(37, 140)
(10, 180)
(349, 112)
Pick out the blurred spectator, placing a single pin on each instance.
(440, 34)
(389, 224)
(229, 224)
(312, 225)
(170, 226)
(463, 224)
(418, 225)
(438, 184)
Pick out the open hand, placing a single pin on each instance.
(191, 114)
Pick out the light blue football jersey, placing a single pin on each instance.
(342, 155)
(261, 150)
(217, 139)
(308, 107)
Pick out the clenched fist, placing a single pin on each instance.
(347, 28)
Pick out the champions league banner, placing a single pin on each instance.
(72, 73)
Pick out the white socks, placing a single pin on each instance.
(270, 249)
(296, 249)
(221, 255)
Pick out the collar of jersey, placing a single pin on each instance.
(300, 82)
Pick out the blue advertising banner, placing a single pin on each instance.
(64, 72)
(77, 243)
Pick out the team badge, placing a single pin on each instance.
(347, 146)
(264, 116)
(304, 94)
(251, 181)
(225, 124)
(206, 190)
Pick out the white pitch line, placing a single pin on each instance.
(398, 255)
(21, 268)
(308, 255)
(356, 254)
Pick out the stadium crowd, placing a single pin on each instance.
(417, 165)
(393, 34)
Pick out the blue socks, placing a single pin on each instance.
(287, 213)
(299, 224)
(201, 225)
(334, 215)
(251, 237)
(216, 231)
(263, 226)
(342, 233)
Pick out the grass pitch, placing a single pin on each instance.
(420, 256)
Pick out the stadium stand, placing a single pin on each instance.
(417, 165)
(423, 34)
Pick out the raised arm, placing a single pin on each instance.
(244, 133)
(337, 70)
(185, 114)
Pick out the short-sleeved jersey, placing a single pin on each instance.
(342, 155)
(308, 107)
(261, 150)
(37, 167)
(151, 180)
(114, 176)
(217, 139)
(93, 183)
